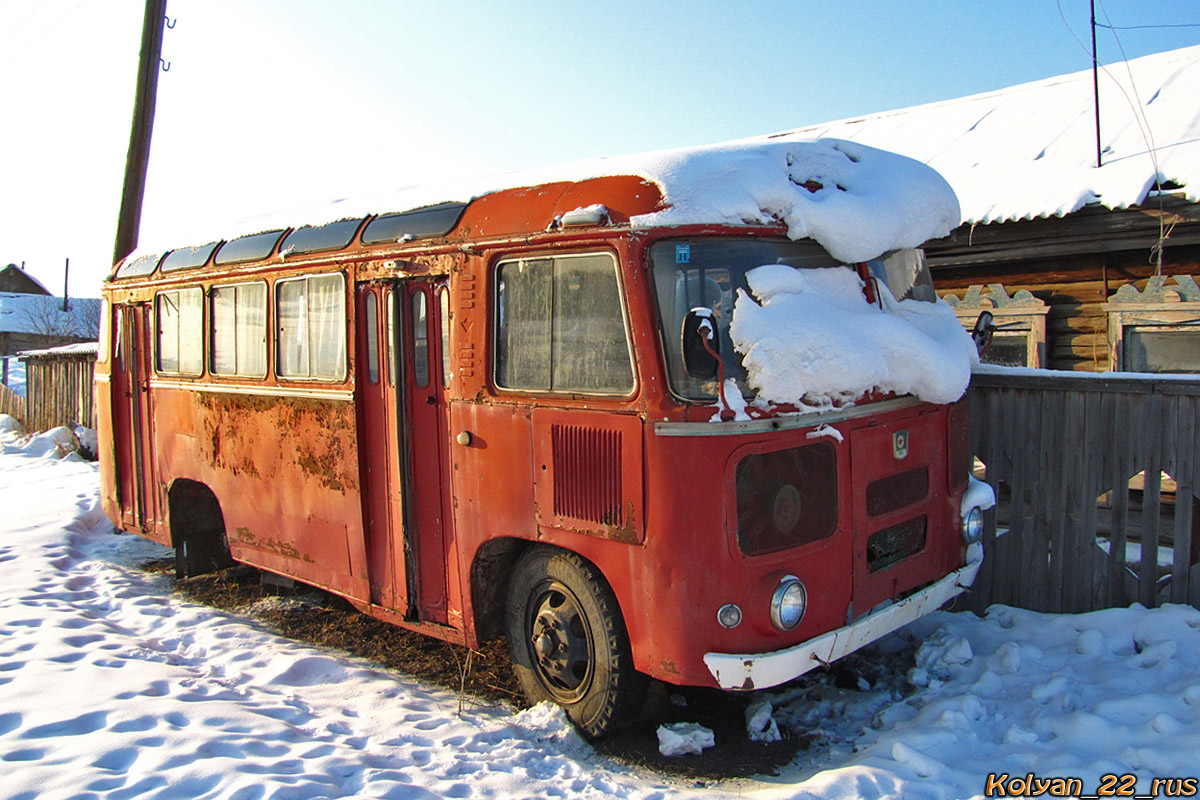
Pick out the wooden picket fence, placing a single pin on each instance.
(58, 388)
(12, 403)
(1096, 477)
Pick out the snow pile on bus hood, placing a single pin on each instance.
(810, 338)
(856, 201)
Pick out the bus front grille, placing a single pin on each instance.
(895, 543)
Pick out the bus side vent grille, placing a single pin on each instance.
(587, 474)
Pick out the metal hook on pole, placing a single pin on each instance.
(166, 65)
(171, 22)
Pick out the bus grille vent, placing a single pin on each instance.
(897, 491)
(587, 474)
(891, 545)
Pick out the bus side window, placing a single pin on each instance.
(119, 337)
(420, 322)
(238, 317)
(561, 326)
(444, 302)
(389, 300)
(180, 315)
(311, 335)
(372, 339)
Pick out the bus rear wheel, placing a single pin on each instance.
(568, 641)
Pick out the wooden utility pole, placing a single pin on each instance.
(143, 124)
(1096, 88)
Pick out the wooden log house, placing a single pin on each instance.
(1050, 237)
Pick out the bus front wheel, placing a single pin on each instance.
(568, 641)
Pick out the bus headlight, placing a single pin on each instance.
(788, 603)
(972, 526)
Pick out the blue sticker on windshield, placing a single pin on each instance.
(683, 253)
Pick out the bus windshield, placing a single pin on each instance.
(707, 272)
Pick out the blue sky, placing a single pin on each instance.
(274, 103)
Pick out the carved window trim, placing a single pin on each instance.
(1159, 307)
(1016, 316)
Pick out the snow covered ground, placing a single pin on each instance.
(111, 687)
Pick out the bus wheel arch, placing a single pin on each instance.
(197, 529)
(568, 641)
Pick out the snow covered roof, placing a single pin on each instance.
(1030, 150)
(855, 200)
(77, 349)
(11, 271)
(42, 314)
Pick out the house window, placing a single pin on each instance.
(560, 326)
(180, 315)
(239, 330)
(1156, 329)
(311, 313)
(1019, 339)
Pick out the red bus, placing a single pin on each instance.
(500, 417)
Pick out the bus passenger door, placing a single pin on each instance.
(130, 388)
(381, 453)
(427, 426)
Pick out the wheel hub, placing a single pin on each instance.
(561, 644)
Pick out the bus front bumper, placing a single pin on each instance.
(763, 670)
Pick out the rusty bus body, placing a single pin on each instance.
(359, 414)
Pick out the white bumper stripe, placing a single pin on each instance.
(764, 670)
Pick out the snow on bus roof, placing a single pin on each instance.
(855, 200)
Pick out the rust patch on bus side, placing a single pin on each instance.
(256, 436)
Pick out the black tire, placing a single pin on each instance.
(568, 641)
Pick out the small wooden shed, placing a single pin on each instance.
(58, 386)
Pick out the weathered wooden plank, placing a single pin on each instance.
(1151, 504)
(1070, 521)
(1119, 478)
(1182, 468)
(1049, 567)
(1095, 439)
(1047, 380)
(1033, 553)
(1105, 467)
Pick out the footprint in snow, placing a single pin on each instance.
(28, 754)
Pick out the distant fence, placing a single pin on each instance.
(58, 387)
(1096, 478)
(12, 403)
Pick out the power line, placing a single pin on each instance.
(41, 36)
(13, 30)
(1146, 27)
(1148, 135)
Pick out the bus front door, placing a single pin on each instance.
(426, 423)
(382, 480)
(404, 425)
(131, 417)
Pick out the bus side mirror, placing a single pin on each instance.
(982, 332)
(699, 336)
